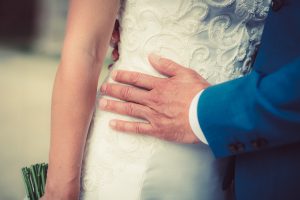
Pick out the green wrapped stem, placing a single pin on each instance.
(34, 178)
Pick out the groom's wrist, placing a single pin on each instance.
(193, 118)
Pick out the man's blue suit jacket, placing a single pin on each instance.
(256, 118)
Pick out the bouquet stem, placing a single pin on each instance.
(35, 179)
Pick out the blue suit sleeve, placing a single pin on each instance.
(254, 106)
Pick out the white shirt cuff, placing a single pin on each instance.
(193, 118)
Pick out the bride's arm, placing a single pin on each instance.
(89, 28)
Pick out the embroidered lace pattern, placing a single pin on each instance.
(217, 38)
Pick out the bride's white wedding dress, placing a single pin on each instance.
(218, 39)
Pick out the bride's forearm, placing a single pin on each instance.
(89, 29)
(73, 101)
(72, 106)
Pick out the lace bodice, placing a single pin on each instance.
(218, 38)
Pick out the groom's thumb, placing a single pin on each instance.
(164, 65)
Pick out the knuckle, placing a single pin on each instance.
(164, 130)
(138, 128)
(125, 92)
(158, 129)
(107, 89)
(135, 78)
(157, 120)
(155, 132)
(149, 113)
(129, 109)
(109, 105)
(154, 98)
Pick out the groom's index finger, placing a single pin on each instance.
(135, 78)
(126, 93)
(165, 66)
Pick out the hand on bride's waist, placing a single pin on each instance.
(163, 102)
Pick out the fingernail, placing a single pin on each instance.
(103, 103)
(154, 58)
(103, 88)
(114, 74)
(113, 123)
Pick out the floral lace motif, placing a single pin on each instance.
(217, 38)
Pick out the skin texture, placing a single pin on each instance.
(163, 102)
(89, 29)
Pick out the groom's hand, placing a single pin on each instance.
(163, 102)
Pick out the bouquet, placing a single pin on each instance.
(35, 179)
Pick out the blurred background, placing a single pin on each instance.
(31, 35)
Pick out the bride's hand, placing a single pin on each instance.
(58, 188)
(163, 102)
(61, 193)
